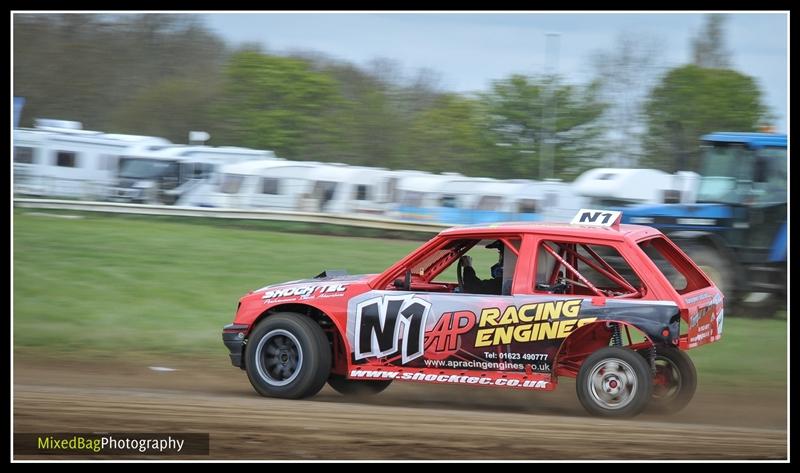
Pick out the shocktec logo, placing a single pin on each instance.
(305, 292)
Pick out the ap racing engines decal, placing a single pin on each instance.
(457, 332)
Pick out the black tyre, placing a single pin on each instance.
(614, 382)
(357, 387)
(288, 356)
(674, 382)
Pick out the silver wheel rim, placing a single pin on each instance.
(279, 357)
(612, 383)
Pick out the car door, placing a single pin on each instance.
(432, 325)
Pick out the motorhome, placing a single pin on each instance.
(58, 158)
(163, 174)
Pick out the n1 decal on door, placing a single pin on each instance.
(381, 321)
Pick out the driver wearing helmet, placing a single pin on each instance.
(473, 284)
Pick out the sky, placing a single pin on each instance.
(469, 50)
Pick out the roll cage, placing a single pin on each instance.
(567, 257)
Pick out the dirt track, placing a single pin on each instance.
(407, 421)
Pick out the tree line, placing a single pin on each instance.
(164, 75)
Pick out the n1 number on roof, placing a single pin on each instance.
(598, 218)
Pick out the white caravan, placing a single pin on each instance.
(612, 187)
(59, 159)
(240, 185)
(163, 174)
(471, 200)
(550, 200)
(297, 186)
(419, 194)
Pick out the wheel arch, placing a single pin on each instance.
(332, 328)
(584, 341)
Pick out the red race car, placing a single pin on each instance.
(611, 305)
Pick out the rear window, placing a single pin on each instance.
(681, 273)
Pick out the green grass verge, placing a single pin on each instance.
(119, 287)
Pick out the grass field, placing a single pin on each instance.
(120, 287)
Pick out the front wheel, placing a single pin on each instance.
(288, 356)
(614, 382)
(356, 387)
(674, 382)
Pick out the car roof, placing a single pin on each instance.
(617, 232)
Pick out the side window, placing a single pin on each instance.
(493, 262)
(270, 185)
(23, 155)
(770, 176)
(187, 171)
(448, 201)
(391, 189)
(362, 192)
(526, 206)
(66, 159)
(200, 171)
(681, 273)
(230, 183)
(584, 269)
(489, 202)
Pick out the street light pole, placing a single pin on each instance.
(549, 107)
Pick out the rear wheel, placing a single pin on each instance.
(356, 387)
(614, 382)
(674, 382)
(288, 356)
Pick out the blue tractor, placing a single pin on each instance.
(737, 229)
